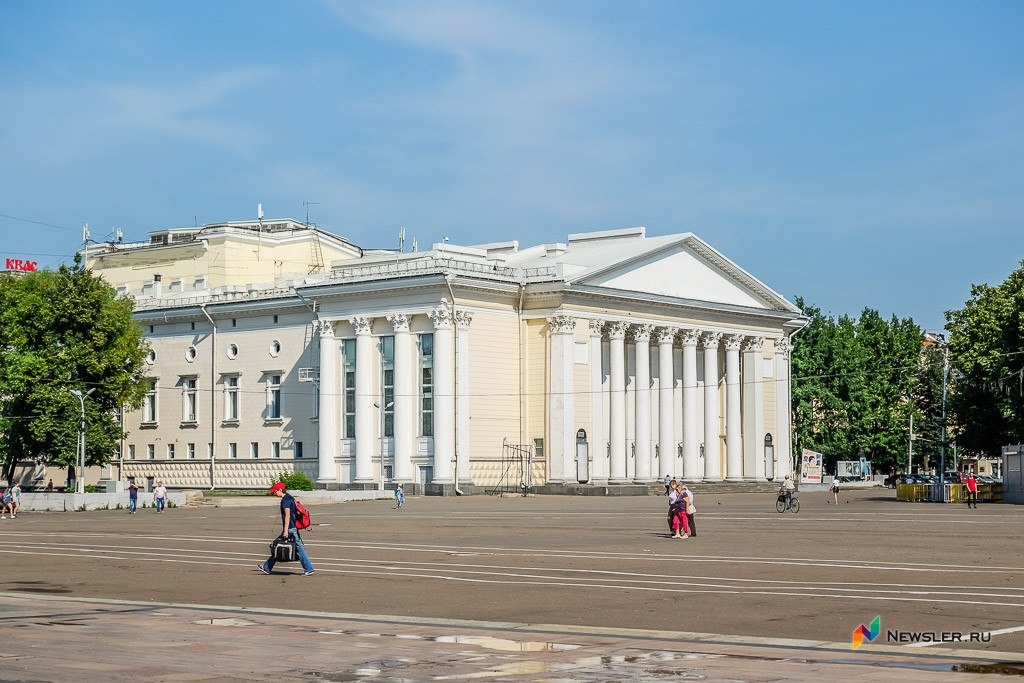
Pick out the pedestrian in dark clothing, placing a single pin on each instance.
(288, 515)
(133, 497)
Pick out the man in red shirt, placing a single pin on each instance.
(972, 490)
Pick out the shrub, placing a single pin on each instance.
(294, 481)
(92, 488)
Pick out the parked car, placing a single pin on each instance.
(893, 479)
(954, 477)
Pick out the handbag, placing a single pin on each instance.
(690, 509)
(284, 550)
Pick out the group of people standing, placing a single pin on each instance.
(681, 509)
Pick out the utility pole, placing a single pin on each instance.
(80, 478)
(945, 382)
(910, 446)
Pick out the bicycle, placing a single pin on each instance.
(794, 504)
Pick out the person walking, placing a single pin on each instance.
(160, 496)
(288, 514)
(835, 489)
(133, 497)
(690, 510)
(668, 483)
(6, 503)
(399, 496)
(972, 490)
(15, 500)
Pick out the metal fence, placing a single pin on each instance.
(947, 493)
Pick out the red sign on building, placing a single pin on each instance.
(24, 266)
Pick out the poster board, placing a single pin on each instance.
(810, 467)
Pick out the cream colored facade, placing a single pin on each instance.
(611, 358)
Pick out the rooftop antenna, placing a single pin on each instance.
(85, 245)
(120, 235)
(306, 204)
(259, 216)
(401, 240)
(415, 245)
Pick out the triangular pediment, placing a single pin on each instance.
(687, 269)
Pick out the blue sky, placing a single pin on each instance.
(856, 154)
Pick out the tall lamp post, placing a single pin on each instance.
(377, 405)
(80, 478)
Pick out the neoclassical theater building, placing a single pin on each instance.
(610, 358)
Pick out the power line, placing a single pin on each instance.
(49, 225)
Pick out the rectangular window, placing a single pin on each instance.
(150, 451)
(298, 449)
(254, 449)
(149, 403)
(131, 451)
(275, 449)
(209, 450)
(426, 385)
(348, 349)
(387, 357)
(230, 398)
(190, 451)
(191, 396)
(170, 451)
(232, 450)
(274, 397)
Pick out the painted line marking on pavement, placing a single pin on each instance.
(562, 630)
(997, 632)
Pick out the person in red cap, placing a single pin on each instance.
(288, 514)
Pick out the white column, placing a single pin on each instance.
(405, 399)
(617, 389)
(598, 450)
(463, 399)
(562, 434)
(327, 408)
(644, 437)
(783, 401)
(692, 471)
(733, 428)
(444, 404)
(753, 410)
(712, 408)
(367, 416)
(666, 403)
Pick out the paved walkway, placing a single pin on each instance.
(80, 639)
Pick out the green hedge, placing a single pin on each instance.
(294, 481)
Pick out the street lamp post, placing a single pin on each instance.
(380, 486)
(80, 478)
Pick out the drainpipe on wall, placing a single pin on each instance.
(455, 384)
(213, 398)
(519, 329)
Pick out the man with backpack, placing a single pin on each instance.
(289, 519)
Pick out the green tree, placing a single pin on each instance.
(61, 330)
(853, 383)
(986, 347)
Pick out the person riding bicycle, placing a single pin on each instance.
(786, 491)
